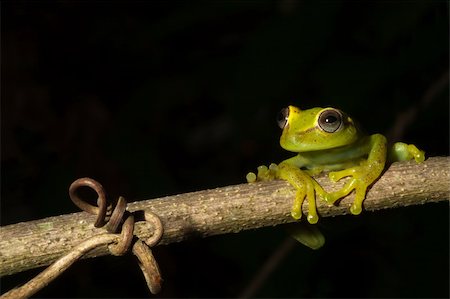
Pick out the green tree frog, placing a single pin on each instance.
(327, 139)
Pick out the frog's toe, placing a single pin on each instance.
(263, 173)
(251, 177)
(313, 218)
(273, 167)
(355, 209)
(296, 214)
(419, 157)
(267, 173)
(296, 211)
(417, 154)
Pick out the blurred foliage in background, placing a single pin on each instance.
(153, 99)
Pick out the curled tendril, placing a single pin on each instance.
(101, 208)
(141, 249)
(117, 245)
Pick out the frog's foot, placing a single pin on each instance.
(359, 181)
(264, 173)
(404, 152)
(296, 211)
(306, 188)
(356, 207)
(308, 235)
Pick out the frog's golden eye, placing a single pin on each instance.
(282, 117)
(330, 120)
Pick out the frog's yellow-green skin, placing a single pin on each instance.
(326, 139)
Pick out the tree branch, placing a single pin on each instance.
(223, 210)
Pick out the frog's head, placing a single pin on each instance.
(315, 129)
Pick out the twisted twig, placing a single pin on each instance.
(118, 244)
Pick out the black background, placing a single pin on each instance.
(155, 99)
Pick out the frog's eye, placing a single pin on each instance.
(330, 120)
(282, 117)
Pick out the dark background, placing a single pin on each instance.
(154, 99)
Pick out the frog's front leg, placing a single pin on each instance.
(289, 170)
(306, 187)
(362, 176)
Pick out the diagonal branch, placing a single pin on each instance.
(222, 210)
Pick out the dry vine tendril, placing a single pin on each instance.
(112, 217)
